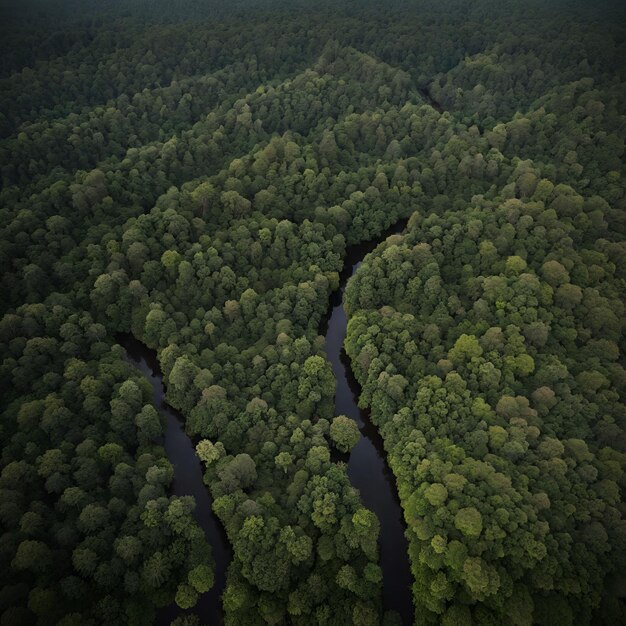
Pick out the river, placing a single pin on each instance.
(367, 466)
(188, 481)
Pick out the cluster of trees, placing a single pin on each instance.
(107, 131)
(494, 84)
(487, 340)
(86, 204)
(197, 183)
(89, 532)
(489, 358)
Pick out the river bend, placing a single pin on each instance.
(367, 466)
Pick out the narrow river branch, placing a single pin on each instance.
(188, 481)
(367, 466)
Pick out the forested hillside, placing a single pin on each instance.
(193, 173)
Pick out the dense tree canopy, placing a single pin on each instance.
(193, 174)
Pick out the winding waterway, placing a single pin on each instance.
(187, 482)
(367, 466)
(423, 91)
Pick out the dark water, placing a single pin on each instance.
(367, 465)
(433, 103)
(187, 482)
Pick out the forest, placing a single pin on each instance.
(193, 177)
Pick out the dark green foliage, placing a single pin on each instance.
(85, 507)
(344, 432)
(194, 176)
